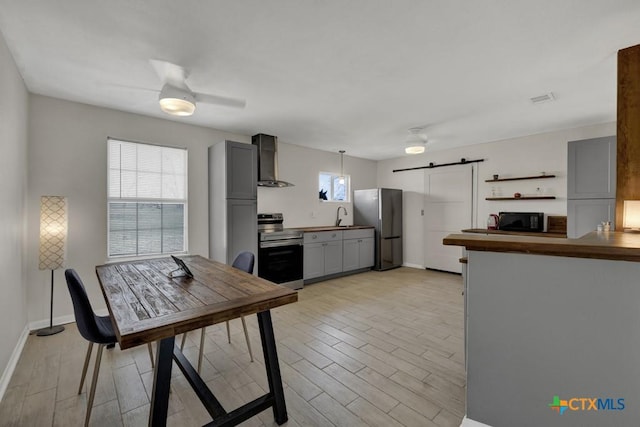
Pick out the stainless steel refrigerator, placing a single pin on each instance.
(381, 208)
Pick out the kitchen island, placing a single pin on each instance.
(553, 329)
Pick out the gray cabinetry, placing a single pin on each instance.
(242, 227)
(591, 172)
(584, 215)
(313, 260)
(242, 170)
(591, 184)
(233, 184)
(322, 254)
(350, 254)
(333, 257)
(358, 249)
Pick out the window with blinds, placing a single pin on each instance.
(147, 199)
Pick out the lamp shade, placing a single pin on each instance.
(53, 232)
(631, 214)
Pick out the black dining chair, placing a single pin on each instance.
(95, 329)
(245, 262)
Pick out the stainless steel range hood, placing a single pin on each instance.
(268, 161)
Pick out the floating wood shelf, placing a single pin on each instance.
(519, 178)
(522, 198)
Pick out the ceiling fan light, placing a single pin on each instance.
(416, 141)
(417, 148)
(177, 106)
(176, 101)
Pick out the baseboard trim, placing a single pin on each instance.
(466, 422)
(13, 362)
(60, 320)
(407, 264)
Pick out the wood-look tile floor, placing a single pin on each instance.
(378, 349)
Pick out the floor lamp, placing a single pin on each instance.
(53, 244)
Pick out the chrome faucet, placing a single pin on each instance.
(338, 219)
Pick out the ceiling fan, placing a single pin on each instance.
(416, 141)
(175, 96)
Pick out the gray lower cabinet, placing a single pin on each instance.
(358, 249)
(332, 252)
(313, 260)
(584, 215)
(242, 227)
(322, 254)
(333, 257)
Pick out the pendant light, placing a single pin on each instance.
(341, 177)
(416, 141)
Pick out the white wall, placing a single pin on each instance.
(523, 156)
(13, 190)
(68, 156)
(300, 204)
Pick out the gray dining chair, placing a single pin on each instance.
(95, 329)
(245, 262)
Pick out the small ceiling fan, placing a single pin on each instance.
(175, 96)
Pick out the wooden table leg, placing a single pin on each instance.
(161, 383)
(273, 369)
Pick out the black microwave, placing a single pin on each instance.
(521, 221)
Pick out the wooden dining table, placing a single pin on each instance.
(152, 300)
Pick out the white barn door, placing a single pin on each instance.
(448, 209)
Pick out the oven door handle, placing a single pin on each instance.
(277, 244)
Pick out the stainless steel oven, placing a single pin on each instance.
(280, 252)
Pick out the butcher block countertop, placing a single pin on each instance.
(331, 228)
(513, 233)
(612, 245)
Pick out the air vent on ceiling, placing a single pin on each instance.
(547, 97)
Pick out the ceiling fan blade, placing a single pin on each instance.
(220, 100)
(173, 74)
(127, 87)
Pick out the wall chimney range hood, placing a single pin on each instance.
(268, 161)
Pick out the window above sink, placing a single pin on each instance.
(333, 187)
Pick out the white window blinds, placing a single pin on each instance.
(147, 199)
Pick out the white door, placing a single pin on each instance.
(413, 226)
(448, 209)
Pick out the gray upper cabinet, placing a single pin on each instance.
(591, 172)
(242, 170)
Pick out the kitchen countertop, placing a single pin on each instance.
(514, 233)
(614, 245)
(331, 228)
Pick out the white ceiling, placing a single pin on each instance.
(336, 74)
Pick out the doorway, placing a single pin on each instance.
(448, 203)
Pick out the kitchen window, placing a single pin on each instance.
(147, 199)
(333, 187)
